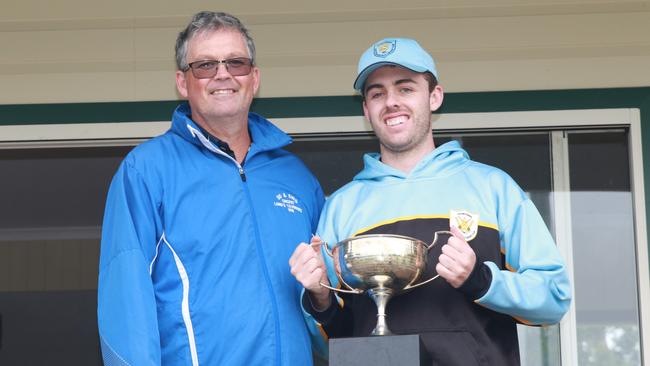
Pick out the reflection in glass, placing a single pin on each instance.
(606, 301)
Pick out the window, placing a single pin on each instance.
(50, 219)
(581, 168)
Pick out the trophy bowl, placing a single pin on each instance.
(382, 265)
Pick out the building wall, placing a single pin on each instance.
(80, 51)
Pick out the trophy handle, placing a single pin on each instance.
(338, 275)
(435, 239)
(409, 286)
(350, 291)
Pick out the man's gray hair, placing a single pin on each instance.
(207, 21)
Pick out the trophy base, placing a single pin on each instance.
(392, 350)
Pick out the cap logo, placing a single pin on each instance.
(385, 48)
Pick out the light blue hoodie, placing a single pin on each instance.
(521, 276)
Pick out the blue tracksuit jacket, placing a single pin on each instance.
(195, 248)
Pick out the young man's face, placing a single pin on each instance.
(222, 96)
(398, 105)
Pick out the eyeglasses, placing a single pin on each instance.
(206, 69)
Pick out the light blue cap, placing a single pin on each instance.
(394, 51)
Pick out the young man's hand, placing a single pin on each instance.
(308, 267)
(457, 260)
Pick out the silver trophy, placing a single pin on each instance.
(383, 265)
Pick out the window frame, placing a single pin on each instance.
(132, 133)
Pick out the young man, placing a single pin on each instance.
(499, 268)
(200, 223)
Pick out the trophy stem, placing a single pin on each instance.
(381, 296)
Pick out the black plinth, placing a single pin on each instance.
(395, 350)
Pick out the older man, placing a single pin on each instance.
(200, 223)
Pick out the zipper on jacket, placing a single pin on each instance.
(210, 146)
(242, 174)
(267, 276)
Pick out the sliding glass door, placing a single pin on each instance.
(580, 180)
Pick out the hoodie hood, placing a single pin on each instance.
(442, 161)
(264, 135)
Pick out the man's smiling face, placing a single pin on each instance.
(223, 96)
(398, 105)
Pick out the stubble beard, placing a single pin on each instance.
(421, 133)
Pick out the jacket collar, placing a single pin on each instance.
(265, 135)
